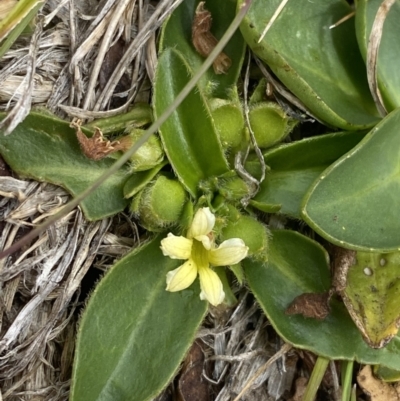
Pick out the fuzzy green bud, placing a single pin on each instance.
(149, 155)
(252, 232)
(228, 120)
(161, 203)
(270, 123)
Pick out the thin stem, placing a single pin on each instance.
(347, 378)
(316, 378)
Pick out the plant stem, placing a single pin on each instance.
(347, 376)
(316, 378)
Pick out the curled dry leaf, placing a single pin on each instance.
(311, 305)
(204, 41)
(342, 259)
(96, 147)
(377, 389)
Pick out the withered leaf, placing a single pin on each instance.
(96, 147)
(342, 259)
(376, 389)
(204, 41)
(192, 385)
(311, 305)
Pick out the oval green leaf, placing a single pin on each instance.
(189, 136)
(323, 67)
(177, 34)
(134, 334)
(46, 149)
(295, 166)
(299, 265)
(389, 49)
(355, 202)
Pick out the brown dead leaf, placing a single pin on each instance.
(96, 147)
(377, 389)
(204, 41)
(192, 385)
(311, 305)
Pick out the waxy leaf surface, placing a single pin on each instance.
(355, 203)
(299, 265)
(389, 48)
(134, 334)
(189, 136)
(323, 67)
(295, 166)
(46, 149)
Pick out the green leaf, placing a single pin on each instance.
(140, 179)
(298, 265)
(389, 49)
(355, 202)
(134, 334)
(372, 296)
(189, 136)
(177, 34)
(16, 21)
(295, 166)
(321, 66)
(46, 149)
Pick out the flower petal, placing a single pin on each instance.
(182, 277)
(176, 247)
(230, 252)
(211, 286)
(206, 241)
(203, 223)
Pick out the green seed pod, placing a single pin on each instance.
(252, 232)
(149, 155)
(270, 123)
(161, 203)
(228, 119)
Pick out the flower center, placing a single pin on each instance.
(199, 254)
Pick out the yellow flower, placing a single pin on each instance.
(200, 251)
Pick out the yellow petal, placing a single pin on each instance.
(176, 247)
(203, 223)
(182, 277)
(230, 252)
(211, 286)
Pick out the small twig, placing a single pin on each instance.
(107, 38)
(23, 106)
(141, 39)
(285, 348)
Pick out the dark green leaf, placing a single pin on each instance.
(295, 166)
(46, 149)
(323, 67)
(134, 334)
(177, 34)
(355, 203)
(189, 136)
